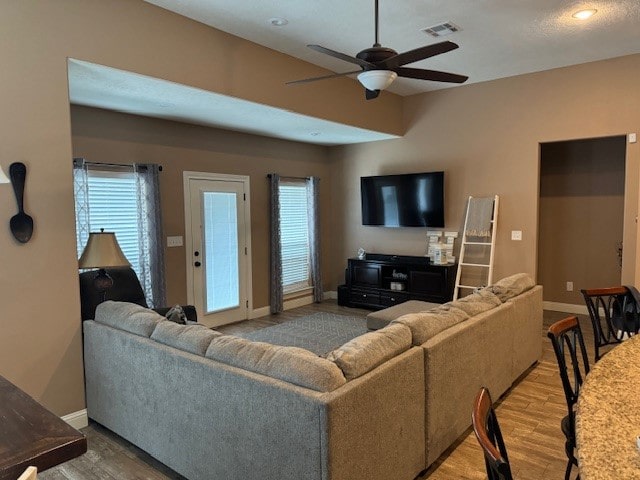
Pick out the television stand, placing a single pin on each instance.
(380, 281)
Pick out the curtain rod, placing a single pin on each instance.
(296, 178)
(99, 164)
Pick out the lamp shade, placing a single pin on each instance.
(3, 177)
(377, 79)
(102, 251)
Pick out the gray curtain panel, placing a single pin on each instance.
(81, 195)
(151, 243)
(313, 206)
(275, 289)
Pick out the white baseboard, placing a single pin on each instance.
(78, 419)
(260, 312)
(565, 307)
(298, 302)
(294, 303)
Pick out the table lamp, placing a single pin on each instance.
(102, 251)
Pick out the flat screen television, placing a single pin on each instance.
(410, 200)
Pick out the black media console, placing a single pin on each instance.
(381, 281)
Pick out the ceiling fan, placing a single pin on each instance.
(380, 66)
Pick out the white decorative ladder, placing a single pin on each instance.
(464, 265)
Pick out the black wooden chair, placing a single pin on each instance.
(614, 314)
(487, 430)
(567, 341)
(126, 288)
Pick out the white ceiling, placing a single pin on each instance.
(498, 38)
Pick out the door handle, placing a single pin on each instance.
(197, 264)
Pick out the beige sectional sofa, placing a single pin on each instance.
(487, 339)
(382, 406)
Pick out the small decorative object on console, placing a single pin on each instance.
(450, 238)
(399, 275)
(362, 254)
(439, 254)
(397, 286)
(433, 239)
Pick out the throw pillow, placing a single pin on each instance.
(176, 314)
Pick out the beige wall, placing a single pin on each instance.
(581, 216)
(40, 336)
(485, 136)
(487, 139)
(110, 137)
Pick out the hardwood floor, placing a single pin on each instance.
(529, 415)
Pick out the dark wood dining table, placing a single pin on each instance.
(30, 435)
(608, 416)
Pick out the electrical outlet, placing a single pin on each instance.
(174, 241)
(516, 234)
(569, 286)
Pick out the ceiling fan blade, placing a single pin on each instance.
(371, 94)
(417, 54)
(342, 56)
(432, 75)
(313, 79)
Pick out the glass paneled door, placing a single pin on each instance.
(217, 251)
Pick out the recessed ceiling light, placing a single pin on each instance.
(584, 14)
(278, 21)
(314, 134)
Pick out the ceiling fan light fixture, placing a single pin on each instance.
(585, 14)
(377, 79)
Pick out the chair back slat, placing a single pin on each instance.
(614, 314)
(573, 364)
(487, 430)
(566, 338)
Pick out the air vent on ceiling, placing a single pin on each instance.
(446, 28)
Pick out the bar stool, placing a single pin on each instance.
(614, 314)
(566, 338)
(487, 430)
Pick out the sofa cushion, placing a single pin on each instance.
(190, 338)
(425, 325)
(381, 318)
(512, 286)
(366, 352)
(128, 317)
(477, 302)
(291, 364)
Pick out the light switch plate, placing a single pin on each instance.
(516, 234)
(175, 241)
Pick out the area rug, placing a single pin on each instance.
(319, 333)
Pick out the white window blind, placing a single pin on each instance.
(294, 231)
(113, 205)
